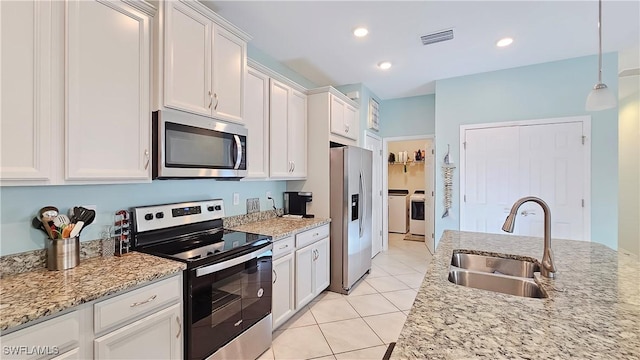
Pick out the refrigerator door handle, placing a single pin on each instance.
(361, 195)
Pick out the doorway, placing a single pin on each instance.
(501, 163)
(409, 188)
(374, 143)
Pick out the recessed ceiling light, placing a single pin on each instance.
(504, 42)
(385, 65)
(360, 31)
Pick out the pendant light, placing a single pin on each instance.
(601, 97)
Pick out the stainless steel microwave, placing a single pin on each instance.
(192, 146)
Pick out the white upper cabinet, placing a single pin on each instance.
(204, 63)
(288, 132)
(257, 122)
(343, 118)
(187, 54)
(25, 103)
(108, 91)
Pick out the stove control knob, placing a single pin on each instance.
(218, 207)
(159, 215)
(148, 216)
(210, 208)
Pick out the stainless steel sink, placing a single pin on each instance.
(498, 283)
(496, 265)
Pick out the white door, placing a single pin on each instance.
(108, 86)
(157, 336)
(374, 144)
(283, 301)
(429, 191)
(321, 266)
(25, 78)
(280, 165)
(304, 275)
(551, 167)
(297, 133)
(187, 59)
(503, 164)
(337, 116)
(229, 69)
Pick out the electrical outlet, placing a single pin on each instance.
(268, 194)
(236, 198)
(253, 205)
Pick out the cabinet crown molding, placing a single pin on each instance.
(219, 20)
(275, 75)
(144, 6)
(335, 92)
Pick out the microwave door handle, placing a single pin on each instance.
(238, 147)
(232, 262)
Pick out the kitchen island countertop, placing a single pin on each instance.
(592, 310)
(32, 295)
(281, 227)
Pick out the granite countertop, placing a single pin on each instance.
(280, 227)
(592, 310)
(31, 295)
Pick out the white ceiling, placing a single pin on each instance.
(315, 38)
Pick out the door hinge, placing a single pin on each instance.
(433, 236)
(465, 198)
(582, 202)
(432, 193)
(584, 138)
(432, 152)
(380, 152)
(464, 144)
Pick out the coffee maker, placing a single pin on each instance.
(295, 203)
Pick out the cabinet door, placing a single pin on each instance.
(297, 134)
(256, 116)
(25, 77)
(304, 276)
(350, 122)
(108, 117)
(158, 336)
(283, 302)
(321, 266)
(280, 165)
(187, 59)
(337, 116)
(229, 69)
(69, 355)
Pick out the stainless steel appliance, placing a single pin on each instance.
(350, 209)
(192, 146)
(295, 203)
(227, 283)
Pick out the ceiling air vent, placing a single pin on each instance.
(436, 37)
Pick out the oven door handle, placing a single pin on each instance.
(232, 262)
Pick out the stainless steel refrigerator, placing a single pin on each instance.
(350, 209)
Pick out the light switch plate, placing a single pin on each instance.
(253, 205)
(236, 198)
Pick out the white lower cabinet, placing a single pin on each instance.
(157, 336)
(312, 271)
(148, 325)
(283, 303)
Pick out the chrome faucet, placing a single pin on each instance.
(548, 268)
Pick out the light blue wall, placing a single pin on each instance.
(539, 91)
(18, 205)
(258, 55)
(408, 116)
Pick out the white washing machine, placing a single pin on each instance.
(398, 211)
(416, 223)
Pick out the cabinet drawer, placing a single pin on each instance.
(310, 236)
(45, 340)
(283, 247)
(130, 306)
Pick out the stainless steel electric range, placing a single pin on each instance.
(227, 283)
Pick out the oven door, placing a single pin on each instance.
(225, 299)
(192, 146)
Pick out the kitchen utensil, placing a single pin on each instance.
(61, 220)
(46, 215)
(76, 229)
(446, 156)
(38, 225)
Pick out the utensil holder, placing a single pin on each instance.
(63, 254)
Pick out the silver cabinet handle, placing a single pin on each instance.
(144, 302)
(179, 327)
(146, 154)
(215, 107)
(210, 99)
(283, 247)
(275, 276)
(346, 128)
(294, 166)
(290, 166)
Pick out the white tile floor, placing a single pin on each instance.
(362, 324)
